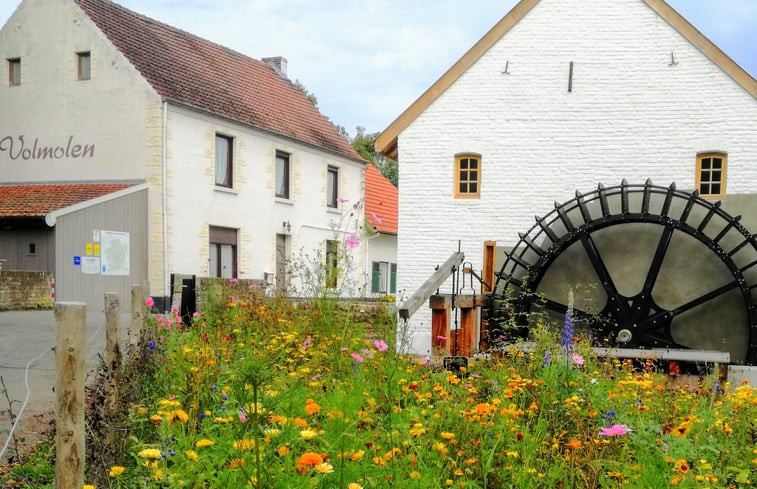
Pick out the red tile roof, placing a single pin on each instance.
(190, 70)
(36, 200)
(381, 198)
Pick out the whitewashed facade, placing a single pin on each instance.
(115, 126)
(570, 94)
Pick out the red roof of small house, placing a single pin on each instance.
(36, 200)
(381, 201)
(192, 71)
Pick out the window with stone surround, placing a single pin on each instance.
(711, 173)
(467, 176)
(224, 160)
(332, 187)
(282, 175)
(83, 65)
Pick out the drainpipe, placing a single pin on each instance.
(164, 206)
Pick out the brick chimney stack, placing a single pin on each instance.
(279, 65)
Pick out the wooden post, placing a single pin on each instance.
(70, 318)
(137, 311)
(112, 359)
(440, 334)
(466, 333)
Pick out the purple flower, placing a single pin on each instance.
(151, 345)
(568, 330)
(547, 357)
(352, 242)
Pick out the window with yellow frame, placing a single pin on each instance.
(467, 176)
(711, 173)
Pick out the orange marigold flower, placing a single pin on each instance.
(310, 459)
(574, 444)
(300, 423)
(311, 407)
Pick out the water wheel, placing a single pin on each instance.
(652, 266)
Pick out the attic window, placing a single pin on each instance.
(14, 72)
(467, 176)
(83, 65)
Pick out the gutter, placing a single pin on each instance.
(164, 192)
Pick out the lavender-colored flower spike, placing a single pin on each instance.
(568, 328)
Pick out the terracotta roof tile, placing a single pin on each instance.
(36, 200)
(190, 70)
(381, 201)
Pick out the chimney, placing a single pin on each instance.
(279, 65)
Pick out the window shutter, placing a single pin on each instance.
(375, 277)
(393, 284)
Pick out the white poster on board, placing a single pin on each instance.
(90, 265)
(114, 252)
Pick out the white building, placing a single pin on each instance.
(239, 172)
(559, 96)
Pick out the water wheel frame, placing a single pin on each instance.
(636, 321)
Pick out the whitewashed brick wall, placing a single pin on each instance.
(630, 115)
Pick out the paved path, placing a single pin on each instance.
(26, 334)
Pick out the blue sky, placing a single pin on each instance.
(368, 60)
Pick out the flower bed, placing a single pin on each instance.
(263, 394)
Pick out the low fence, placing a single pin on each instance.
(24, 289)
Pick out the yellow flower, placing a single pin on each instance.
(447, 436)
(205, 443)
(351, 485)
(116, 470)
(141, 410)
(149, 453)
(178, 416)
(88, 486)
(191, 455)
(324, 468)
(415, 474)
(308, 435)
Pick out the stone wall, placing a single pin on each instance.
(23, 289)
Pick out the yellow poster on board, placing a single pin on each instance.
(97, 249)
(88, 249)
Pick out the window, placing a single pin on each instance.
(332, 187)
(32, 249)
(332, 262)
(222, 259)
(467, 176)
(82, 65)
(711, 172)
(224, 160)
(14, 72)
(384, 277)
(282, 175)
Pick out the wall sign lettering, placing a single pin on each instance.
(18, 148)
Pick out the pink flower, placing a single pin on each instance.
(341, 200)
(375, 218)
(577, 359)
(381, 345)
(233, 280)
(195, 314)
(357, 357)
(242, 417)
(306, 343)
(614, 430)
(441, 338)
(352, 242)
(149, 302)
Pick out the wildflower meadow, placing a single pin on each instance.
(265, 393)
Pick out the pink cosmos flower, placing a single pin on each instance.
(233, 280)
(441, 338)
(577, 359)
(306, 343)
(352, 242)
(242, 418)
(357, 357)
(149, 302)
(375, 218)
(380, 345)
(175, 310)
(342, 199)
(614, 430)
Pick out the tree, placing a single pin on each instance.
(363, 144)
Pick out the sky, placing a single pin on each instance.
(368, 60)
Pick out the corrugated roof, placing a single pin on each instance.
(190, 70)
(36, 200)
(381, 201)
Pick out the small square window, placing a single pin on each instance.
(711, 175)
(467, 176)
(32, 249)
(14, 72)
(282, 175)
(83, 65)
(224, 160)
(332, 187)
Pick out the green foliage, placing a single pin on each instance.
(363, 144)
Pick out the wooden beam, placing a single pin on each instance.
(408, 307)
